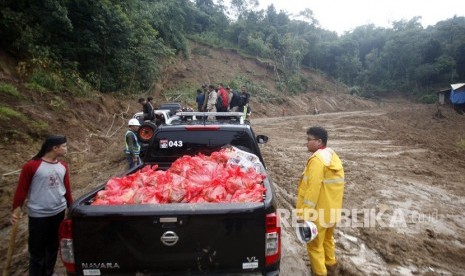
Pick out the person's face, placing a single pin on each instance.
(313, 143)
(135, 128)
(243, 89)
(61, 150)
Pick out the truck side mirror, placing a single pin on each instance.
(262, 139)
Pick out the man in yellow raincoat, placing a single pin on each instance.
(319, 199)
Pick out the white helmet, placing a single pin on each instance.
(133, 122)
(306, 231)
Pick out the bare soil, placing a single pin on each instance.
(404, 194)
(405, 171)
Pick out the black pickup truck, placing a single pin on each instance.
(177, 238)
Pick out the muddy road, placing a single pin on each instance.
(403, 201)
(404, 196)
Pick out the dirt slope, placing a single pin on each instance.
(395, 155)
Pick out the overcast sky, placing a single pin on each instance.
(345, 15)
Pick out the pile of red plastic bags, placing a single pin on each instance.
(220, 177)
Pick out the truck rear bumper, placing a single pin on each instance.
(270, 273)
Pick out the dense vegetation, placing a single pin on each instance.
(113, 45)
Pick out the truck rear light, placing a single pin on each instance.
(272, 239)
(66, 245)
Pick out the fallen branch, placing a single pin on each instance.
(13, 172)
(115, 115)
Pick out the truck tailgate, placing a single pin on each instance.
(169, 238)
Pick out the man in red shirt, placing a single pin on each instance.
(44, 182)
(224, 97)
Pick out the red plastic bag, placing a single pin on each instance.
(191, 179)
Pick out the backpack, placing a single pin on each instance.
(219, 103)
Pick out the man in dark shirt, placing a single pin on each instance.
(235, 100)
(147, 109)
(244, 102)
(200, 99)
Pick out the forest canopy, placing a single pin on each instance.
(122, 45)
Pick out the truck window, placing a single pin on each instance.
(170, 145)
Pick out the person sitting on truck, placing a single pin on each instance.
(44, 181)
(147, 109)
(132, 149)
(149, 102)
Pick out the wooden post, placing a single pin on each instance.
(11, 244)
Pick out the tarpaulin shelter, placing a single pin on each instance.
(457, 97)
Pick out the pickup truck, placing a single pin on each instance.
(177, 238)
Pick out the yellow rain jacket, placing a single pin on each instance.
(321, 187)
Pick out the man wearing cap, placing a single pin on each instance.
(44, 181)
(206, 94)
(132, 149)
(319, 199)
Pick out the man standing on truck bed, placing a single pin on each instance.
(244, 102)
(320, 194)
(132, 149)
(44, 181)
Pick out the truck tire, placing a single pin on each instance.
(146, 132)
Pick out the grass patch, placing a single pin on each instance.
(7, 113)
(50, 81)
(257, 90)
(461, 144)
(184, 94)
(57, 103)
(428, 98)
(78, 86)
(9, 89)
(39, 127)
(200, 51)
(36, 87)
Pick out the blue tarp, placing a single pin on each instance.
(457, 93)
(457, 97)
